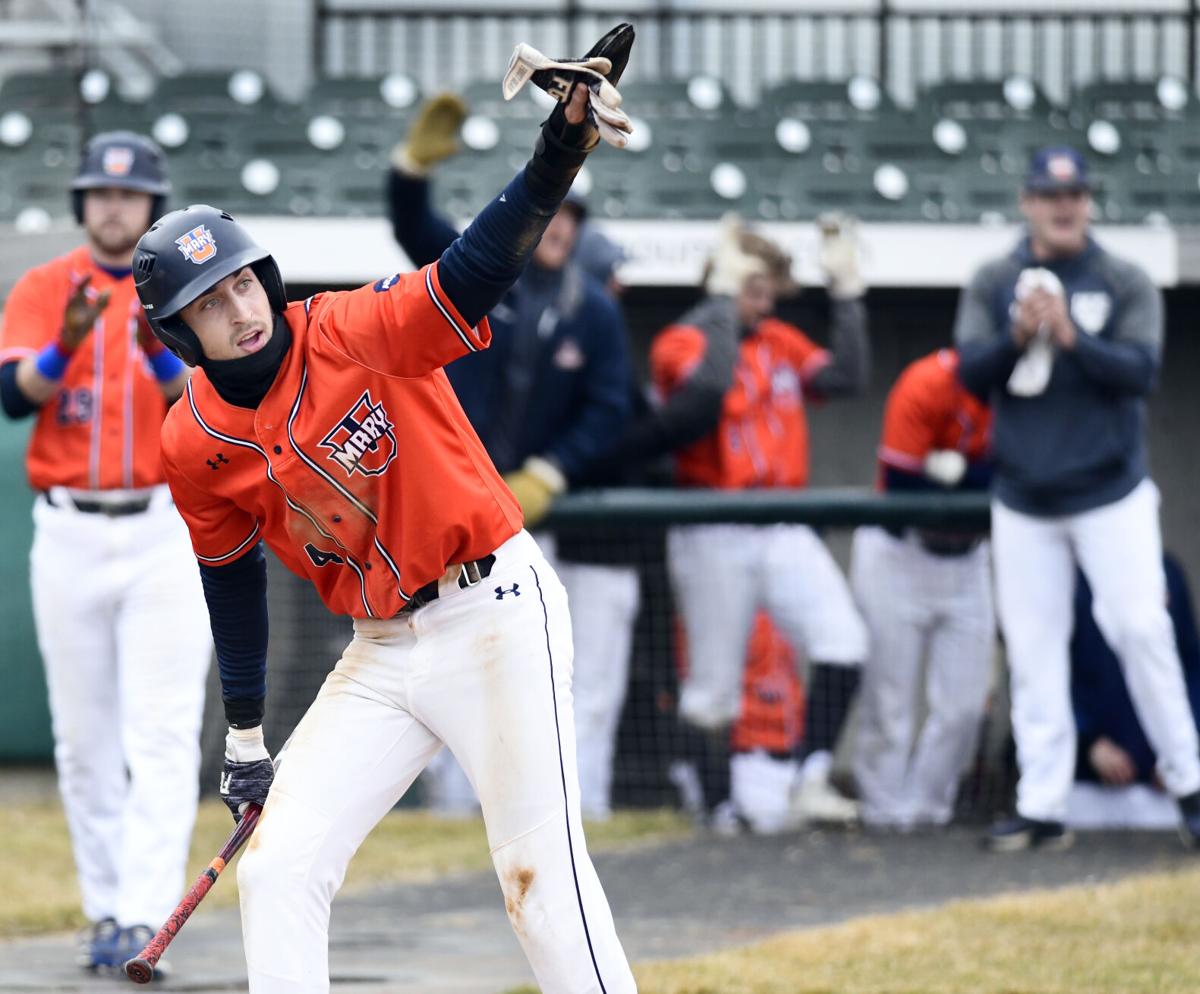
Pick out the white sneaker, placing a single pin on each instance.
(818, 801)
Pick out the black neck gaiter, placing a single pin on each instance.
(244, 382)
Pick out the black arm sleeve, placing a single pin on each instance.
(850, 368)
(482, 263)
(12, 397)
(237, 610)
(423, 234)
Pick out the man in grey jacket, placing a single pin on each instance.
(1065, 341)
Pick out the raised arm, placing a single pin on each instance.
(478, 268)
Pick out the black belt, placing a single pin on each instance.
(112, 510)
(471, 574)
(945, 544)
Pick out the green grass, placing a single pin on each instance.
(39, 873)
(1140, 936)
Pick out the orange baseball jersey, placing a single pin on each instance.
(772, 714)
(358, 467)
(100, 431)
(762, 438)
(929, 409)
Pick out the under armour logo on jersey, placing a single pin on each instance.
(216, 463)
(198, 245)
(500, 591)
(363, 440)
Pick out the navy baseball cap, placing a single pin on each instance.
(1056, 167)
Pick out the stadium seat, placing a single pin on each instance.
(858, 99)
(56, 91)
(981, 101)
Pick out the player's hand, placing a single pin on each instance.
(535, 485)
(730, 266)
(840, 256)
(1114, 765)
(597, 73)
(84, 306)
(248, 772)
(946, 467)
(433, 136)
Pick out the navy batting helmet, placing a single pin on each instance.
(125, 160)
(186, 253)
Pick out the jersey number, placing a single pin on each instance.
(74, 407)
(320, 558)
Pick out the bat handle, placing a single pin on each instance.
(140, 969)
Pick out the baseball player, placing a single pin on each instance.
(117, 603)
(1065, 340)
(733, 380)
(328, 430)
(926, 597)
(549, 396)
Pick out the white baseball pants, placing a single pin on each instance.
(1119, 549)
(722, 574)
(487, 671)
(124, 636)
(932, 614)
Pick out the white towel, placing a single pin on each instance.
(1031, 374)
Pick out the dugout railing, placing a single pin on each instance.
(628, 526)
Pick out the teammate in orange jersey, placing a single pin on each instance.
(117, 603)
(328, 429)
(926, 596)
(733, 379)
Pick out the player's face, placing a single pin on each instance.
(115, 219)
(1057, 221)
(558, 242)
(757, 299)
(233, 319)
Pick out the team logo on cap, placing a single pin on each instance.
(363, 441)
(1062, 168)
(117, 160)
(198, 245)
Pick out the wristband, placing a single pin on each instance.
(52, 361)
(166, 365)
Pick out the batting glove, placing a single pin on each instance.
(535, 485)
(730, 266)
(433, 135)
(599, 71)
(248, 772)
(839, 256)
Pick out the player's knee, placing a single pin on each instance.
(1143, 628)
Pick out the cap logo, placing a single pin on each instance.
(117, 160)
(198, 245)
(1062, 168)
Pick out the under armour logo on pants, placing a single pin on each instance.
(500, 591)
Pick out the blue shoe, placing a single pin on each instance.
(97, 945)
(132, 941)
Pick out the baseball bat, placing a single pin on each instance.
(141, 969)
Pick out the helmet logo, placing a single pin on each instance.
(198, 245)
(117, 161)
(1062, 168)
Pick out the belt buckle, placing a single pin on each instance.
(470, 575)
